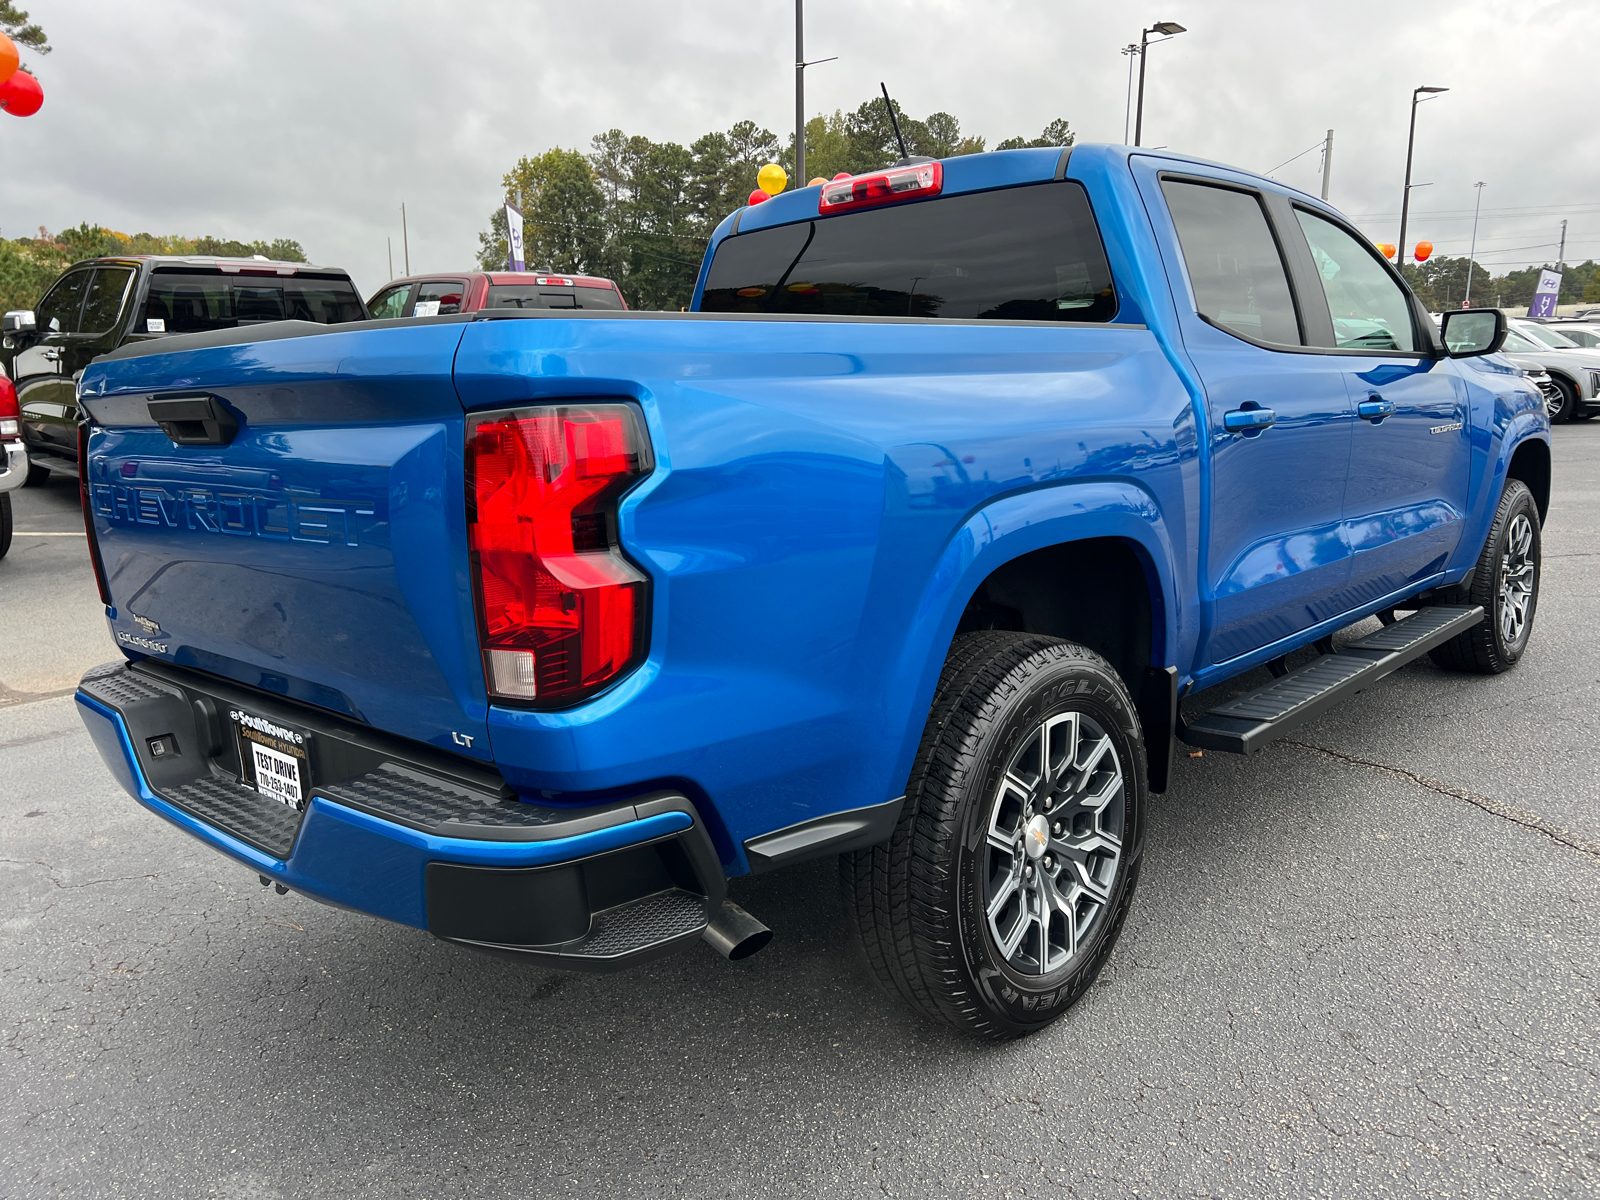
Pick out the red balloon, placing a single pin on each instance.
(841, 175)
(21, 95)
(757, 196)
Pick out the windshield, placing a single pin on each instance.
(185, 302)
(1547, 336)
(1515, 341)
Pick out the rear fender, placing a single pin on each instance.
(1007, 529)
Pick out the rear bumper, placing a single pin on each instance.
(411, 836)
(13, 465)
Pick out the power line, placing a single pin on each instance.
(1316, 146)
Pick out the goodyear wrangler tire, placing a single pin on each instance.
(1005, 885)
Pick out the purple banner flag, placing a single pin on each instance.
(1546, 295)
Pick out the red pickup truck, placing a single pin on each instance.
(468, 291)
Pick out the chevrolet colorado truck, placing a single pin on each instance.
(532, 629)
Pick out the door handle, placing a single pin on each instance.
(51, 353)
(1252, 422)
(1375, 408)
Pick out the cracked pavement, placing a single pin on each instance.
(1363, 963)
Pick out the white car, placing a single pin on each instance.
(1586, 334)
(1574, 369)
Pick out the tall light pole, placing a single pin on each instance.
(1472, 255)
(1327, 164)
(1130, 51)
(1167, 29)
(800, 65)
(1405, 201)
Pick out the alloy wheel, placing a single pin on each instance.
(1517, 567)
(1054, 842)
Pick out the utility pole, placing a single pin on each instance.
(390, 240)
(1327, 163)
(1561, 254)
(1405, 200)
(405, 238)
(799, 93)
(1130, 52)
(1472, 255)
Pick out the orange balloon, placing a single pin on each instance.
(8, 58)
(21, 95)
(818, 180)
(1423, 250)
(1386, 249)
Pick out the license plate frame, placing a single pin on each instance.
(275, 758)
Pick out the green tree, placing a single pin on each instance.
(14, 23)
(1057, 133)
(561, 210)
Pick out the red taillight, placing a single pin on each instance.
(561, 612)
(898, 183)
(88, 514)
(10, 414)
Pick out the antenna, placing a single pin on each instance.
(889, 104)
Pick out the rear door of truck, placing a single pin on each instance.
(308, 538)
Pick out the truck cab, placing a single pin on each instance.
(101, 304)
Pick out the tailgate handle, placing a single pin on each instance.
(194, 420)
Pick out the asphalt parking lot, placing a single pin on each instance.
(1365, 963)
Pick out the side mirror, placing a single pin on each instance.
(1469, 332)
(19, 320)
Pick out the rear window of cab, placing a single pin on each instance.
(1030, 253)
(534, 295)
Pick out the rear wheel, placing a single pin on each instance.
(36, 475)
(5, 524)
(1506, 583)
(1003, 890)
(1566, 407)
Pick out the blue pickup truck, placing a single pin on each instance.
(916, 542)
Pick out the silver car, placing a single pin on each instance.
(1573, 369)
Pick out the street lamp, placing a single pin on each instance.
(1167, 29)
(1405, 200)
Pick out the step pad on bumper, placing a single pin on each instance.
(1247, 724)
(265, 823)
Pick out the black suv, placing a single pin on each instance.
(104, 303)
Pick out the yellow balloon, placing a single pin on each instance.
(772, 179)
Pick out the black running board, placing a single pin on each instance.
(1246, 725)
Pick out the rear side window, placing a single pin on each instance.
(58, 311)
(1369, 310)
(438, 298)
(103, 305)
(1020, 254)
(190, 303)
(1234, 266)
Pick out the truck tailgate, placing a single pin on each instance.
(319, 552)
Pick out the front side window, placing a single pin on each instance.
(1030, 253)
(438, 297)
(58, 311)
(1237, 273)
(1370, 311)
(391, 302)
(103, 304)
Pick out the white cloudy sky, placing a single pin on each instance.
(315, 120)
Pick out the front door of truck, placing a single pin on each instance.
(46, 392)
(1275, 559)
(1410, 456)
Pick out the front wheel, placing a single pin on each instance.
(1005, 885)
(1506, 583)
(5, 524)
(1564, 405)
